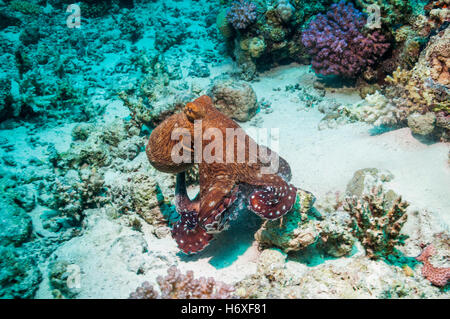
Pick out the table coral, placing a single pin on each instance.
(377, 219)
(179, 286)
(338, 43)
(437, 276)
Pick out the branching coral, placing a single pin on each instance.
(437, 276)
(241, 14)
(377, 219)
(178, 286)
(338, 43)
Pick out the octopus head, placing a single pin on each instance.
(198, 109)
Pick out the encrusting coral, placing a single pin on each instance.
(377, 219)
(437, 276)
(179, 286)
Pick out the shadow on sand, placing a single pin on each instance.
(227, 246)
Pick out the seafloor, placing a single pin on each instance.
(84, 215)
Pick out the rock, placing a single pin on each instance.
(81, 131)
(271, 259)
(422, 124)
(294, 231)
(7, 19)
(364, 180)
(25, 197)
(236, 99)
(336, 237)
(59, 276)
(19, 274)
(199, 69)
(16, 225)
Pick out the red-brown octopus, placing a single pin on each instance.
(238, 174)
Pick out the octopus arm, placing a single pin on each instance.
(188, 234)
(182, 201)
(217, 193)
(272, 197)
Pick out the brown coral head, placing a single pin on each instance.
(197, 109)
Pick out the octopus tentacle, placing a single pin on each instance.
(190, 237)
(272, 202)
(182, 201)
(272, 197)
(188, 234)
(216, 196)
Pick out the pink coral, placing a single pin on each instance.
(178, 286)
(437, 276)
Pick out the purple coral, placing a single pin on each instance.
(338, 44)
(241, 14)
(178, 286)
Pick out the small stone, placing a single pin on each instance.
(422, 124)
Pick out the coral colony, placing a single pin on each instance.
(241, 14)
(337, 42)
(225, 149)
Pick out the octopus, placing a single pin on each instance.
(241, 173)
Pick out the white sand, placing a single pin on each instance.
(324, 161)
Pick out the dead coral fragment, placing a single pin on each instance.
(437, 276)
(178, 286)
(377, 219)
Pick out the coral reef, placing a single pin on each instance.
(79, 199)
(131, 27)
(338, 44)
(19, 276)
(425, 88)
(377, 220)
(392, 12)
(178, 286)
